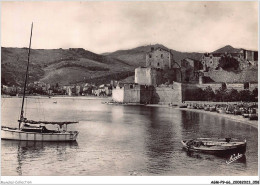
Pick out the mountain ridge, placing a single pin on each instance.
(77, 65)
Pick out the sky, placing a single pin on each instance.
(109, 26)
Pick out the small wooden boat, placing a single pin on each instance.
(237, 112)
(215, 145)
(206, 108)
(172, 105)
(253, 117)
(221, 111)
(212, 109)
(245, 115)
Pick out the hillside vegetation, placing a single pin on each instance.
(59, 66)
(76, 65)
(136, 56)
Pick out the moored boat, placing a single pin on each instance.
(183, 106)
(30, 130)
(215, 145)
(253, 116)
(212, 109)
(40, 133)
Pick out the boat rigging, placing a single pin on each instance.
(27, 129)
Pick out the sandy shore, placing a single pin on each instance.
(237, 118)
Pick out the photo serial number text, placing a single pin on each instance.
(234, 182)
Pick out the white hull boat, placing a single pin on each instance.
(30, 130)
(16, 134)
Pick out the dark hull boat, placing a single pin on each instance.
(215, 146)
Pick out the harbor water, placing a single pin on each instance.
(121, 140)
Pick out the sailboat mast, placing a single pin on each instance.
(26, 77)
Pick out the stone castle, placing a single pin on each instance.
(188, 75)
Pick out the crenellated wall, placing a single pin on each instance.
(118, 94)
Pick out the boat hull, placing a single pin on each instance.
(18, 135)
(221, 150)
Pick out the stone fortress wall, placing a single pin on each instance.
(148, 76)
(147, 88)
(168, 94)
(133, 93)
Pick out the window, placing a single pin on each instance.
(161, 55)
(158, 64)
(131, 86)
(150, 56)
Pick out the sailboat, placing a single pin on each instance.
(30, 130)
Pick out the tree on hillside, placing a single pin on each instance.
(233, 95)
(228, 63)
(221, 94)
(254, 95)
(245, 95)
(209, 94)
(199, 95)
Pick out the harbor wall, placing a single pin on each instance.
(174, 93)
(133, 93)
(118, 94)
(168, 94)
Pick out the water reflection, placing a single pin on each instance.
(211, 157)
(32, 150)
(159, 142)
(190, 121)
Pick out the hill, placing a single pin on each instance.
(136, 56)
(228, 49)
(64, 66)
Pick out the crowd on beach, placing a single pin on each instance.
(247, 110)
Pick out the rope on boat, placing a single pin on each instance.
(25, 108)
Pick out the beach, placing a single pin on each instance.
(237, 118)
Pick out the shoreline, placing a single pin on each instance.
(237, 118)
(62, 97)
